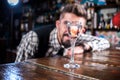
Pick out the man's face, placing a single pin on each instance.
(62, 29)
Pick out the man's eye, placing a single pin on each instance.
(67, 22)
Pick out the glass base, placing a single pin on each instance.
(71, 65)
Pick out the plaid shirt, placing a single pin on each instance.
(29, 44)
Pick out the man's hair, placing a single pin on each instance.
(74, 8)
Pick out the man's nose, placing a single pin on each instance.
(66, 29)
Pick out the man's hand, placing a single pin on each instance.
(78, 52)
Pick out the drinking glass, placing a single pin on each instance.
(74, 32)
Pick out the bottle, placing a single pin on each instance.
(102, 22)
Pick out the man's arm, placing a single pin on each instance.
(93, 42)
(87, 43)
(27, 46)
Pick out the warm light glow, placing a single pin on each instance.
(13, 2)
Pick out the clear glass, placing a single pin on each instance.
(73, 30)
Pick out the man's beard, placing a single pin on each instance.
(66, 43)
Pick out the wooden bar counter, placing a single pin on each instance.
(104, 65)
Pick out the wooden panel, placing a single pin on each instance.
(103, 65)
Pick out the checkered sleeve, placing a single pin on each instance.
(27, 46)
(96, 43)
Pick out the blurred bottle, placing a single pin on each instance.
(102, 22)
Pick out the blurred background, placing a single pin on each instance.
(17, 17)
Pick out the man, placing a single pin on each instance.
(49, 41)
